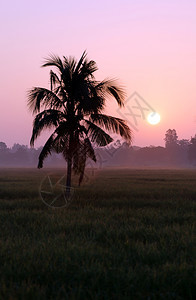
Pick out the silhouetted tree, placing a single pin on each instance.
(4, 154)
(192, 150)
(15, 147)
(184, 143)
(173, 152)
(3, 147)
(73, 107)
(171, 138)
(183, 151)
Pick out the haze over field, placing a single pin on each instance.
(149, 45)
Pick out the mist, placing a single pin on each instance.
(175, 154)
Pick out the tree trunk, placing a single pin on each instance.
(69, 165)
(68, 184)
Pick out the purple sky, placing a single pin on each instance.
(149, 45)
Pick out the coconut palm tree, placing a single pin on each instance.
(73, 108)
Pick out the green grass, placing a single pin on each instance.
(127, 234)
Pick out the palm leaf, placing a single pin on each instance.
(112, 124)
(80, 62)
(58, 141)
(40, 97)
(88, 68)
(48, 147)
(54, 61)
(112, 88)
(61, 142)
(97, 135)
(83, 151)
(53, 80)
(89, 99)
(45, 119)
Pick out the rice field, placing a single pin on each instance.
(125, 234)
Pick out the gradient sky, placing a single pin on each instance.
(149, 45)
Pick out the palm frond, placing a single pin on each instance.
(88, 98)
(79, 161)
(71, 63)
(112, 124)
(80, 62)
(54, 61)
(53, 80)
(58, 141)
(98, 135)
(41, 97)
(45, 119)
(48, 147)
(112, 88)
(61, 143)
(88, 68)
(88, 149)
(83, 151)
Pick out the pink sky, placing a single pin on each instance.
(149, 45)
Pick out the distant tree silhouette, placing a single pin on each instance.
(15, 147)
(183, 151)
(73, 107)
(3, 147)
(171, 138)
(173, 149)
(184, 143)
(4, 154)
(192, 150)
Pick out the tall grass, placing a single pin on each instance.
(127, 234)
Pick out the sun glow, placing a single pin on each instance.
(153, 118)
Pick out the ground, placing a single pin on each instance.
(126, 234)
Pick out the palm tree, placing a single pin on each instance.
(73, 107)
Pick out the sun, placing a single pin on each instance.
(153, 118)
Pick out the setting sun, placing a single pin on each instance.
(153, 118)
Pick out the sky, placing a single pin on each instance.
(149, 45)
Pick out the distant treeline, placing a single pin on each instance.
(176, 153)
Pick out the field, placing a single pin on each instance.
(126, 234)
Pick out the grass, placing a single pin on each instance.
(127, 234)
